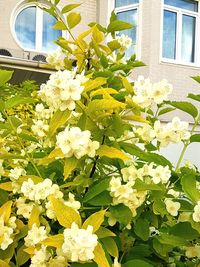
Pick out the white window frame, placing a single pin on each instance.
(137, 7)
(180, 12)
(39, 26)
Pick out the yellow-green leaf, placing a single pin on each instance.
(56, 153)
(34, 217)
(5, 210)
(100, 257)
(69, 165)
(134, 118)
(103, 232)
(6, 186)
(55, 241)
(30, 250)
(103, 91)
(65, 215)
(97, 35)
(59, 119)
(69, 7)
(127, 85)
(111, 246)
(111, 152)
(93, 84)
(96, 219)
(59, 25)
(3, 264)
(73, 19)
(104, 104)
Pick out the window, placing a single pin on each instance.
(179, 30)
(33, 29)
(127, 10)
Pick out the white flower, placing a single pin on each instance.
(40, 257)
(62, 90)
(56, 59)
(79, 244)
(35, 235)
(196, 214)
(116, 263)
(1, 118)
(23, 208)
(6, 232)
(173, 193)
(160, 174)
(172, 206)
(160, 91)
(16, 173)
(73, 141)
(125, 41)
(192, 252)
(146, 133)
(40, 128)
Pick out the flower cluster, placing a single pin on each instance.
(79, 244)
(62, 90)
(125, 194)
(196, 214)
(172, 206)
(56, 59)
(172, 132)
(35, 235)
(40, 191)
(146, 92)
(6, 231)
(73, 141)
(125, 41)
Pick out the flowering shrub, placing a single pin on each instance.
(82, 181)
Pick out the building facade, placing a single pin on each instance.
(166, 37)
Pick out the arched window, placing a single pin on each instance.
(33, 29)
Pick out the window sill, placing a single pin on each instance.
(179, 64)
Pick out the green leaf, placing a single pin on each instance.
(141, 229)
(172, 240)
(188, 182)
(165, 110)
(104, 104)
(161, 249)
(195, 138)
(96, 219)
(196, 78)
(5, 76)
(59, 119)
(194, 97)
(103, 199)
(73, 19)
(118, 25)
(184, 230)
(159, 207)
(22, 256)
(96, 189)
(93, 84)
(84, 265)
(142, 186)
(18, 100)
(185, 106)
(137, 263)
(111, 246)
(69, 165)
(104, 232)
(59, 25)
(69, 7)
(122, 214)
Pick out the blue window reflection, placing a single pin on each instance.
(119, 3)
(169, 35)
(49, 34)
(130, 16)
(188, 38)
(25, 27)
(185, 4)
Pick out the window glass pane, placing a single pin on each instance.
(169, 35)
(130, 16)
(49, 34)
(119, 3)
(25, 27)
(185, 4)
(188, 38)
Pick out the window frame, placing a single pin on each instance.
(138, 7)
(39, 30)
(180, 12)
